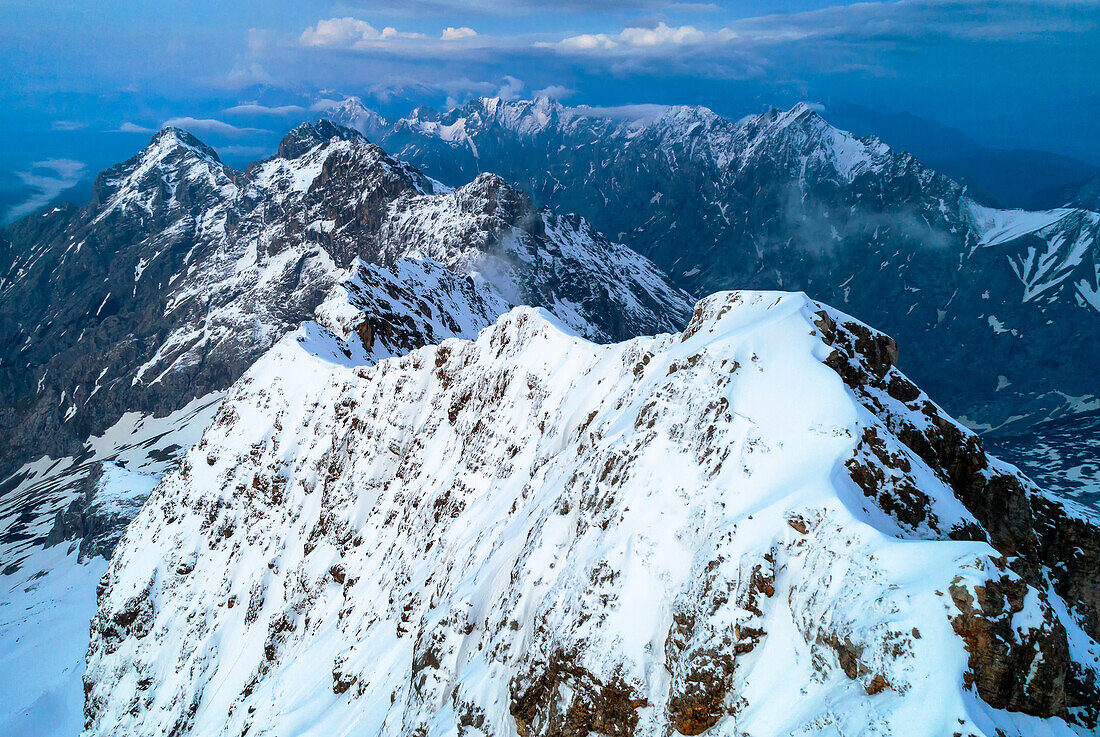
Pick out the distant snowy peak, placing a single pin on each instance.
(307, 136)
(706, 133)
(331, 167)
(352, 113)
(175, 170)
(599, 288)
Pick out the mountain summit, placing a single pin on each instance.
(757, 525)
(984, 298)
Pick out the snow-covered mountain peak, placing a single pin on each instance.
(533, 256)
(307, 136)
(176, 170)
(352, 113)
(170, 137)
(756, 526)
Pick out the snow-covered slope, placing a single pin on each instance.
(983, 298)
(49, 583)
(182, 271)
(125, 321)
(756, 526)
(59, 521)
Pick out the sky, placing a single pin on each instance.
(85, 84)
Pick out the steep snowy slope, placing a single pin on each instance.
(49, 584)
(182, 271)
(784, 200)
(123, 323)
(757, 526)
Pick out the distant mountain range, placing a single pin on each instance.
(1011, 178)
(784, 200)
(378, 441)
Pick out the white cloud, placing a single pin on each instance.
(454, 34)
(739, 47)
(49, 178)
(586, 42)
(662, 34)
(350, 33)
(635, 38)
(637, 113)
(68, 125)
(555, 92)
(252, 108)
(511, 89)
(247, 73)
(209, 125)
(129, 127)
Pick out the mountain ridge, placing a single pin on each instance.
(158, 215)
(784, 200)
(476, 547)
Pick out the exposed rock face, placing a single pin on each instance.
(181, 272)
(531, 534)
(538, 707)
(999, 656)
(983, 299)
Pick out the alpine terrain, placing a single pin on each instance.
(124, 322)
(754, 526)
(356, 442)
(987, 300)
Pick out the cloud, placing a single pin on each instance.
(209, 125)
(48, 178)
(511, 89)
(555, 92)
(248, 73)
(454, 34)
(506, 8)
(971, 20)
(351, 33)
(129, 127)
(660, 35)
(635, 113)
(68, 125)
(252, 108)
(899, 21)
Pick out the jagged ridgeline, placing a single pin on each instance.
(756, 526)
(418, 510)
(986, 301)
(182, 271)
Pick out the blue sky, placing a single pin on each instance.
(85, 82)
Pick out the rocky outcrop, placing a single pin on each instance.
(1016, 665)
(539, 709)
(983, 299)
(531, 534)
